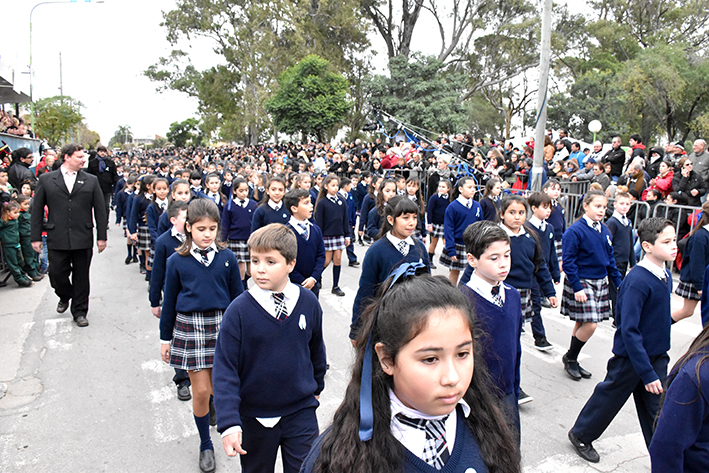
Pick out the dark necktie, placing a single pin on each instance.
(597, 226)
(496, 297)
(435, 449)
(306, 230)
(280, 300)
(403, 247)
(204, 253)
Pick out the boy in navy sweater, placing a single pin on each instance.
(497, 306)
(557, 218)
(310, 262)
(640, 344)
(623, 249)
(346, 195)
(269, 365)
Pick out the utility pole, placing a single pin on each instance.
(540, 128)
(61, 79)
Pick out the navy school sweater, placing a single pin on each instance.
(381, 258)
(153, 215)
(695, 258)
(138, 209)
(436, 209)
(373, 223)
(489, 208)
(351, 210)
(237, 220)
(310, 261)
(367, 204)
(457, 219)
(332, 217)
(464, 457)
(587, 254)
(265, 215)
(502, 326)
(623, 246)
(163, 223)
(165, 246)
(643, 320)
(258, 355)
(557, 219)
(123, 201)
(358, 194)
(546, 241)
(191, 286)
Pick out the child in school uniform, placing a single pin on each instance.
(10, 241)
(435, 214)
(413, 192)
(386, 190)
(345, 194)
(310, 262)
(331, 216)
(179, 191)
(124, 200)
(30, 257)
(588, 263)
(161, 189)
(201, 280)
(270, 362)
(213, 185)
(315, 189)
(462, 212)
(237, 217)
(394, 247)
(557, 218)
(695, 259)
(165, 246)
(368, 203)
(419, 398)
(138, 221)
(640, 343)
(490, 203)
(621, 229)
(271, 209)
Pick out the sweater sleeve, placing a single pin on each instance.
(612, 267)
(153, 217)
(119, 199)
(553, 259)
(225, 372)
(367, 285)
(157, 277)
(697, 257)
(373, 222)
(569, 253)
(430, 208)
(317, 351)
(236, 286)
(133, 219)
(257, 221)
(631, 245)
(630, 307)
(319, 259)
(449, 230)
(169, 303)
(226, 221)
(320, 214)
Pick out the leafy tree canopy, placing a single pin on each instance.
(56, 117)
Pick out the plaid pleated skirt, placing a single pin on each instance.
(525, 296)
(194, 339)
(151, 256)
(333, 243)
(597, 307)
(144, 242)
(460, 264)
(686, 290)
(240, 250)
(557, 247)
(436, 230)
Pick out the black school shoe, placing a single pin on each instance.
(354, 264)
(206, 461)
(212, 414)
(338, 292)
(585, 451)
(571, 368)
(183, 393)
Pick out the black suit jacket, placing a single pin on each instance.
(70, 220)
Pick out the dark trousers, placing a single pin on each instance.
(510, 405)
(13, 257)
(351, 256)
(31, 257)
(537, 324)
(74, 263)
(610, 395)
(294, 433)
(107, 196)
(612, 289)
(181, 378)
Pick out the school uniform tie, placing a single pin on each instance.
(435, 449)
(496, 297)
(626, 222)
(280, 299)
(306, 230)
(444, 196)
(597, 226)
(242, 203)
(204, 254)
(403, 247)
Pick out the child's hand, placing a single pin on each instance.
(156, 311)
(165, 352)
(557, 283)
(552, 301)
(579, 296)
(308, 283)
(347, 241)
(454, 258)
(655, 387)
(134, 236)
(232, 444)
(429, 227)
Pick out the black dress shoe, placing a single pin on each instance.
(206, 461)
(338, 292)
(128, 260)
(62, 306)
(81, 321)
(585, 451)
(24, 282)
(572, 368)
(354, 264)
(584, 374)
(37, 277)
(183, 393)
(212, 414)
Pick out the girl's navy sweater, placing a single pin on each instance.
(332, 217)
(237, 220)
(367, 205)
(153, 215)
(458, 217)
(265, 215)
(373, 223)
(123, 201)
(557, 219)
(137, 213)
(190, 286)
(490, 209)
(380, 260)
(695, 258)
(436, 209)
(588, 254)
(165, 246)
(264, 367)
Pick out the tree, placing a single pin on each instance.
(186, 132)
(56, 117)
(311, 99)
(88, 138)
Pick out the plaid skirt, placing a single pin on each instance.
(525, 296)
(333, 243)
(597, 307)
(436, 230)
(144, 242)
(240, 250)
(557, 247)
(151, 256)
(194, 339)
(686, 290)
(459, 265)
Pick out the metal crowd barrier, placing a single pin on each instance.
(664, 210)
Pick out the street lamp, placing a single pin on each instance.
(594, 127)
(31, 12)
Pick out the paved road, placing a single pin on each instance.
(99, 399)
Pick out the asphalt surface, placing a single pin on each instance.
(99, 398)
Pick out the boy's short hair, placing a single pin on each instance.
(344, 181)
(275, 236)
(480, 235)
(176, 207)
(294, 196)
(651, 227)
(551, 183)
(211, 175)
(623, 195)
(538, 200)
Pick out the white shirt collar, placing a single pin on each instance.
(210, 255)
(621, 218)
(161, 202)
(264, 297)
(464, 201)
(512, 234)
(66, 172)
(178, 235)
(589, 221)
(484, 288)
(395, 240)
(295, 223)
(658, 271)
(273, 205)
(537, 222)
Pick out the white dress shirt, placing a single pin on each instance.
(210, 255)
(274, 206)
(484, 288)
(658, 271)
(538, 223)
(466, 202)
(395, 241)
(69, 178)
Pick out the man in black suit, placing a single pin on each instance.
(71, 195)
